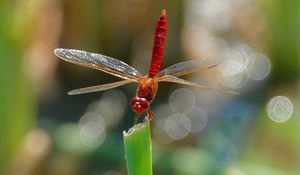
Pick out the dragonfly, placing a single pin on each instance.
(147, 84)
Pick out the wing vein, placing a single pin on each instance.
(99, 62)
(98, 88)
(173, 79)
(191, 66)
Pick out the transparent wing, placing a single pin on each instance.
(97, 88)
(173, 79)
(191, 66)
(100, 62)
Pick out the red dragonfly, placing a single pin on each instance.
(147, 84)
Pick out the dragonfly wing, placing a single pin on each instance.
(100, 62)
(174, 79)
(191, 66)
(97, 88)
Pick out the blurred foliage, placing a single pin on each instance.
(18, 104)
(283, 18)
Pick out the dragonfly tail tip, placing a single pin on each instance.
(163, 12)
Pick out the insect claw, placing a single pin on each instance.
(135, 121)
(136, 118)
(149, 116)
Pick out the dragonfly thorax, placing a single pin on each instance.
(139, 105)
(147, 88)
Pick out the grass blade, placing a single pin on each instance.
(137, 142)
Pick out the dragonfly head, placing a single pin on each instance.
(139, 105)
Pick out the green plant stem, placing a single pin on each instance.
(137, 142)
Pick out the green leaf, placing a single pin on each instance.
(137, 142)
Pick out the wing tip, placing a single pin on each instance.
(58, 51)
(73, 92)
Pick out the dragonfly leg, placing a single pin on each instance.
(136, 118)
(149, 115)
(135, 121)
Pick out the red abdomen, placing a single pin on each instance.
(158, 44)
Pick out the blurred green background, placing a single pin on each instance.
(44, 131)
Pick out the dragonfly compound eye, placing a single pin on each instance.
(139, 105)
